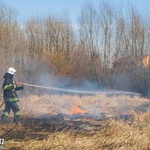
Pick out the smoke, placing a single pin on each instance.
(89, 96)
(45, 106)
(65, 85)
(122, 81)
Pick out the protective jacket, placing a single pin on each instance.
(10, 89)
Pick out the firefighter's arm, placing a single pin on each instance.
(12, 86)
(9, 86)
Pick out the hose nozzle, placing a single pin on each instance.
(20, 83)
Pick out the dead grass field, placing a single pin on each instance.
(47, 123)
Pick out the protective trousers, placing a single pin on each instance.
(15, 109)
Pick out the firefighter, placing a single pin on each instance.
(10, 96)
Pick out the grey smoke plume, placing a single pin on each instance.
(52, 103)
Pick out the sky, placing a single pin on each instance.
(29, 8)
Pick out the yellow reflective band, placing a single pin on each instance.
(6, 114)
(17, 113)
(11, 100)
(15, 85)
(7, 86)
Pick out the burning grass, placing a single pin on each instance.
(48, 122)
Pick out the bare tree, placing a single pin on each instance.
(89, 36)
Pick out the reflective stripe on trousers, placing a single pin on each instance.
(17, 113)
(6, 114)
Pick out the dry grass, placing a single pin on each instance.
(39, 133)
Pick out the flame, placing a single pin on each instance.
(77, 110)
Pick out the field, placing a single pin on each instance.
(86, 122)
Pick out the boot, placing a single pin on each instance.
(16, 119)
(3, 118)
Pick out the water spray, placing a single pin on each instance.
(57, 89)
(112, 92)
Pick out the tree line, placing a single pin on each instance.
(50, 44)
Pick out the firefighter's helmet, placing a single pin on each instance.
(11, 70)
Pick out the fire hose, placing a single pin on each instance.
(1, 105)
(56, 89)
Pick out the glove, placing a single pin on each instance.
(20, 88)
